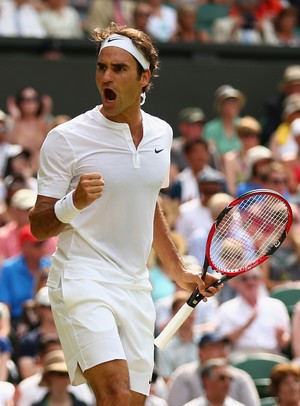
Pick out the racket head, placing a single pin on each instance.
(250, 229)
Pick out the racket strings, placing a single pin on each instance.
(247, 232)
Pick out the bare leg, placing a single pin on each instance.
(110, 384)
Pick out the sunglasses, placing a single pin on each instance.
(248, 134)
(33, 98)
(278, 181)
(223, 378)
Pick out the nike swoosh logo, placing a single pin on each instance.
(157, 151)
(114, 39)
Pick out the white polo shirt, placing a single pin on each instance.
(109, 240)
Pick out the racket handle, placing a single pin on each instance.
(171, 328)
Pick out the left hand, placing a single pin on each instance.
(189, 280)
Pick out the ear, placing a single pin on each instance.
(145, 78)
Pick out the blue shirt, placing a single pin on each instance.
(17, 284)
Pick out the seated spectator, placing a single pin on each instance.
(195, 214)
(272, 117)
(163, 21)
(102, 12)
(29, 343)
(141, 14)
(29, 112)
(220, 132)
(18, 274)
(18, 208)
(235, 162)
(19, 18)
(257, 158)
(56, 379)
(285, 384)
(216, 380)
(282, 142)
(244, 25)
(61, 20)
(253, 321)
(295, 343)
(187, 26)
(5, 344)
(29, 389)
(183, 344)
(185, 383)
(286, 24)
(185, 185)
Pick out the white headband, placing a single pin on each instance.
(120, 41)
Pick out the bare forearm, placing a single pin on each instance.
(164, 245)
(44, 223)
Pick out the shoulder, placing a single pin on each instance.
(149, 120)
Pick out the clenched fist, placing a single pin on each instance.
(89, 189)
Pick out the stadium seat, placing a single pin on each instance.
(269, 401)
(289, 294)
(259, 366)
(207, 13)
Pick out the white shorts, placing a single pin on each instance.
(98, 322)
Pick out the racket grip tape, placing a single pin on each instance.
(174, 324)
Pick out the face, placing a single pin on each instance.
(191, 131)
(248, 285)
(278, 182)
(119, 84)
(231, 107)
(218, 384)
(29, 101)
(197, 157)
(289, 389)
(249, 138)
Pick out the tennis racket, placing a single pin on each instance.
(250, 229)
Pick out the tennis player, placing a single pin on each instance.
(99, 179)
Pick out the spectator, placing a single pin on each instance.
(102, 12)
(18, 275)
(183, 344)
(257, 158)
(141, 15)
(216, 380)
(28, 343)
(235, 162)
(18, 208)
(29, 389)
(284, 265)
(5, 344)
(19, 18)
(61, 20)
(187, 26)
(29, 111)
(185, 185)
(243, 25)
(252, 321)
(6, 149)
(56, 379)
(195, 214)
(290, 84)
(295, 343)
(185, 383)
(285, 25)
(292, 161)
(221, 132)
(282, 142)
(285, 384)
(162, 22)
(190, 126)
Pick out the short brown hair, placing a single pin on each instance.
(141, 40)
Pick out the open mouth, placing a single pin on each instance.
(109, 95)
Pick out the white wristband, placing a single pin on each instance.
(65, 210)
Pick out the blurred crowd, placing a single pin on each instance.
(212, 162)
(269, 22)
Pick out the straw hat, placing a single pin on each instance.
(249, 123)
(54, 361)
(290, 75)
